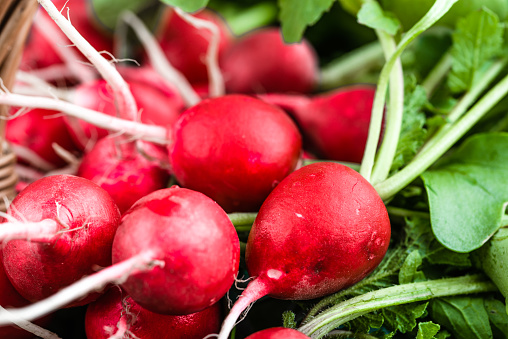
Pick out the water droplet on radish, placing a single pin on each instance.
(275, 183)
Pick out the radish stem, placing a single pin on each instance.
(125, 101)
(217, 87)
(29, 327)
(61, 46)
(41, 231)
(159, 61)
(156, 134)
(115, 274)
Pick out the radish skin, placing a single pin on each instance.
(115, 310)
(350, 235)
(87, 219)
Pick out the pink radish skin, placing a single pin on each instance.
(40, 53)
(37, 269)
(261, 62)
(278, 333)
(37, 130)
(186, 46)
(194, 238)
(116, 312)
(350, 235)
(334, 125)
(235, 149)
(124, 171)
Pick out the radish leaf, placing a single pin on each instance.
(372, 15)
(466, 193)
(478, 37)
(295, 17)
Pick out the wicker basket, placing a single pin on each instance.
(15, 21)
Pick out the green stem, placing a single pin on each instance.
(242, 219)
(425, 159)
(394, 114)
(437, 74)
(437, 10)
(350, 64)
(352, 165)
(467, 100)
(393, 296)
(402, 212)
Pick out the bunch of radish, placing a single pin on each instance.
(172, 250)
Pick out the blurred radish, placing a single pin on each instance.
(115, 313)
(335, 124)
(261, 62)
(235, 149)
(64, 230)
(33, 134)
(158, 105)
(126, 170)
(185, 46)
(322, 229)
(41, 50)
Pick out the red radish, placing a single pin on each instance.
(184, 241)
(195, 239)
(322, 229)
(261, 62)
(235, 149)
(278, 333)
(335, 124)
(9, 297)
(126, 170)
(36, 131)
(158, 105)
(116, 313)
(86, 218)
(186, 46)
(41, 52)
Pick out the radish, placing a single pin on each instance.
(9, 297)
(41, 50)
(183, 240)
(195, 239)
(115, 313)
(185, 46)
(158, 105)
(235, 149)
(322, 229)
(278, 333)
(335, 125)
(33, 134)
(262, 62)
(70, 225)
(126, 170)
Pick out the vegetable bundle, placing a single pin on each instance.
(220, 168)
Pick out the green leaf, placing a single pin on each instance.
(296, 16)
(108, 11)
(466, 194)
(498, 317)
(466, 317)
(288, 319)
(478, 37)
(372, 15)
(187, 5)
(427, 330)
(402, 318)
(409, 271)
